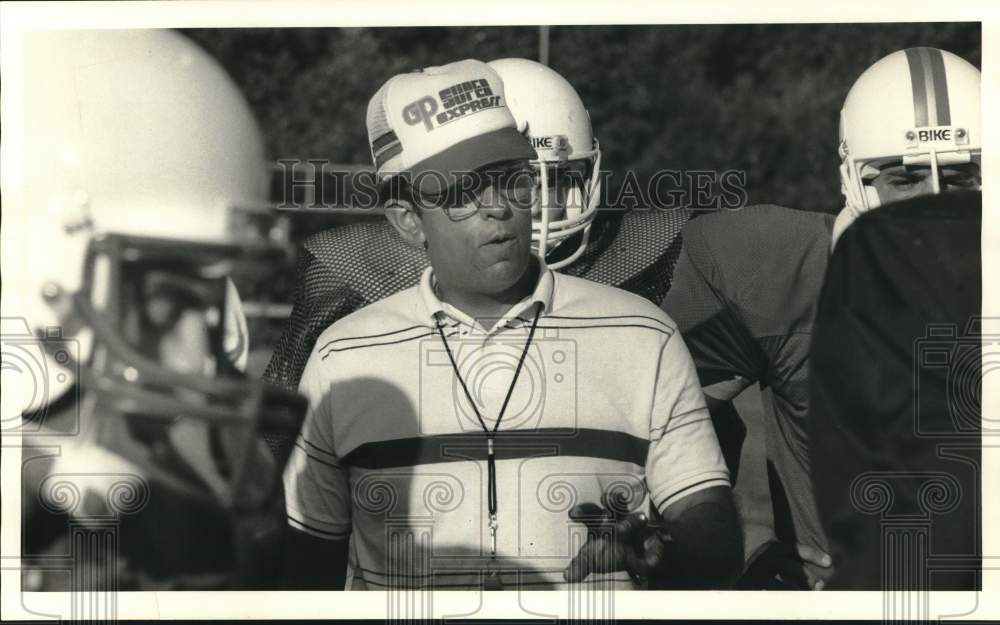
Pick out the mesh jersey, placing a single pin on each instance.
(343, 269)
(744, 296)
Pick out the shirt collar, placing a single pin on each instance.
(436, 308)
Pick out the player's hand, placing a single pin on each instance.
(615, 542)
(782, 566)
(818, 566)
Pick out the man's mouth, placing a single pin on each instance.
(500, 238)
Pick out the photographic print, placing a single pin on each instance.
(547, 318)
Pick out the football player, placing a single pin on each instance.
(909, 127)
(140, 184)
(899, 323)
(747, 282)
(345, 268)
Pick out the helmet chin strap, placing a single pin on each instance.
(852, 185)
(844, 219)
(580, 249)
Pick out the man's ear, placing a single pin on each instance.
(406, 220)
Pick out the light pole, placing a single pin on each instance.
(543, 45)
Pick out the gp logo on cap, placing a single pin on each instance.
(458, 100)
(433, 124)
(421, 111)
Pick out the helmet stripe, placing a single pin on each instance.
(930, 87)
(940, 87)
(917, 83)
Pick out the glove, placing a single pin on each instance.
(616, 541)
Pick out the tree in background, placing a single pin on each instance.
(763, 99)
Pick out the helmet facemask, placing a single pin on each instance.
(550, 113)
(567, 198)
(857, 173)
(160, 371)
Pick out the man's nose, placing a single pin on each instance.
(493, 205)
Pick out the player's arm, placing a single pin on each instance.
(702, 542)
(317, 496)
(723, 353)
(312, 563)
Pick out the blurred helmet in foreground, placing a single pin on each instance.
(550, 112)
(121, 136)
(138, 183)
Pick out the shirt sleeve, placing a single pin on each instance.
(317, 485)
(725, 355)
(684, 455)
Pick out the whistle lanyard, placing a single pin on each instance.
(491, 468)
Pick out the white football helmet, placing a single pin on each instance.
(137, 175)
(550, 112)
(919, 106)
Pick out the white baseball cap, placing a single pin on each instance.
(434, 124)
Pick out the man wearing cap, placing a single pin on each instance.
(454, 426)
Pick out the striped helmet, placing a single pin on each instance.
(918, 106)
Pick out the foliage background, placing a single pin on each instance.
(764, 99)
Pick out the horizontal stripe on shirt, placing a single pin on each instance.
(509, 444)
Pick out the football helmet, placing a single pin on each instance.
(550, 112)
(138, 183)
(918, 106)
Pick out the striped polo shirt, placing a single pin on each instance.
(392, 454)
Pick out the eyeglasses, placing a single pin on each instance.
(510, 187)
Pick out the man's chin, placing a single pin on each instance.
(503, 274)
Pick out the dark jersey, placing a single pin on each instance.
(896, 379)
(343, 269)
(744, 296)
